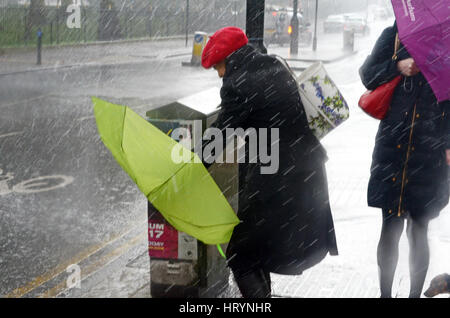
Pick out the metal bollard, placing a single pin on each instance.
(39, 46)
(349, 39)
(200, 39)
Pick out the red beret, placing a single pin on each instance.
(221, 44)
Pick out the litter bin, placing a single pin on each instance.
(349, 39)
(180, 265)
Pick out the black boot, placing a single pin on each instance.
(255, 284)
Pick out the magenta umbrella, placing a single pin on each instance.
(424, 29)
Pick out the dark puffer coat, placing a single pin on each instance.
(409, 170)
(286, 223)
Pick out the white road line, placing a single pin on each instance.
(85, 117)
(11, 134)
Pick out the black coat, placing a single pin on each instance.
(286, 223)
(409, 171)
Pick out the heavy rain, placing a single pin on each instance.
(75, 223)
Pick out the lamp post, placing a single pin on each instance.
(235, 13)
(315, 27)
(255, 23)
(187, 21)
(294, 34)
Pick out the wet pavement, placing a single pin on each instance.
(47, 129)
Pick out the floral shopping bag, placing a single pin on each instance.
(324, 105)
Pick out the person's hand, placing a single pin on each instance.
(408, 67)
(447, 153)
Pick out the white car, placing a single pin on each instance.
(334, 23)
(358, 24)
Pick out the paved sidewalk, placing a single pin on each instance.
(330, 49)
(354, 272)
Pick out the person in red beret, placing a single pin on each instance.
(286, 223)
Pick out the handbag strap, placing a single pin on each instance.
(396, 46)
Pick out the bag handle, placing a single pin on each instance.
(396, 46)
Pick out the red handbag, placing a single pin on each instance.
(376, 103)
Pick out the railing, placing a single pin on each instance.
(19, 26)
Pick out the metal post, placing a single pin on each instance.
(187, 21)
(27, 30)
(235, 13)
(367, 10)
(84, 24)
(255, 24)
(83, 21)
(167, 23)
(39, 46)
(57, 25)
(308, 13)
(294, 34)
(315, 27)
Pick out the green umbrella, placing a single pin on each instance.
(184, 193)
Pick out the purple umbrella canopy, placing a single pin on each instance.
(424, 29)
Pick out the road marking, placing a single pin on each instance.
(144, 56)
(42, 279)
(11, 134)
(86, 117)
(176, 55)
(93, 268)
(28, 186)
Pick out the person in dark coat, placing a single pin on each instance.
(409, 172)
(286, 223)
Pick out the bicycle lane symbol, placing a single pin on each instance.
(33, 185)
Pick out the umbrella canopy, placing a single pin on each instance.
(424, 28)
(184, 193)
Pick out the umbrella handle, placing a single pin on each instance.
(219, 248)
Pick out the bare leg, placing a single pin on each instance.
(419, 255)
(387, 252)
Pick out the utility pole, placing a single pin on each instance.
(187, 21)
(367, 10)
(294, 34)
(315, 27)
(255, 23)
